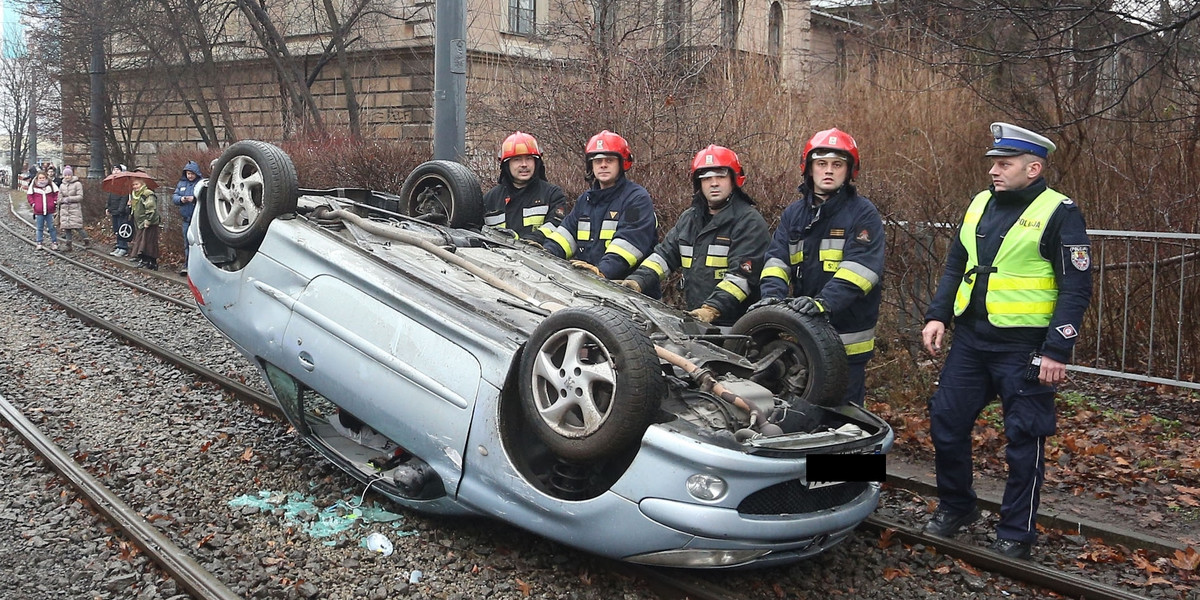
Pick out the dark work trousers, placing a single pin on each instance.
(856, 384)
(970, 379)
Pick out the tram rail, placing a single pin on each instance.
(668, 584)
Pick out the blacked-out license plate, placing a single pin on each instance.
(837, 468)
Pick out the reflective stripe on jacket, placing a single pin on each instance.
(720, 256)
(531, 212)
(613, 229)
(834, 251)
(1021, 289)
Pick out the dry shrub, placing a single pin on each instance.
(336, 159)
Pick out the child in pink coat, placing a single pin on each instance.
(42, 196)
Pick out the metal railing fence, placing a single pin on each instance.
(1143, 323)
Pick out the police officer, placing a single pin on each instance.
(1016, 283)
(718, 242)
(612, 227)
(828, 252)
(523, 201)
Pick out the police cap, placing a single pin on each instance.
(1010, 140)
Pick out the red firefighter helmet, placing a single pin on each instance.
(607, 142)
(719, 156)
(519, 144)
(832, 139)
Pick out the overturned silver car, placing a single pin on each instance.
(460, 372)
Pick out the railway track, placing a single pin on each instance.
(664, 584)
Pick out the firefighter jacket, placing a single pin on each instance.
(531, 212)
(834, 252)
(613, 229)
(720, 256)
(1029, 234)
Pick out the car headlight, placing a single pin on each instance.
(705, 487)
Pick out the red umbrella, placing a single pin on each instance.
(122, 182)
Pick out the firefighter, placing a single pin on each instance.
(612, 227)
(1016, 283)
(718, 243)
(523, 201)
(827, 253)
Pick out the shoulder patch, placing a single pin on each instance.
(1068, 331)
(1081, 257)
(863, 236)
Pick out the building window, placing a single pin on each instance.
(730, 19)
(605, 13)
(775, 30)
(775, 36)
(673, 24)
(521, 16)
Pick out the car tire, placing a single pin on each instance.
(252, 183)
(813, 363)
(444, 192)
(598, 402)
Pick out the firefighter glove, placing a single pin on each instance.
(587, 266)
(705, 313)
(764, 302)
(629, 283)
(807, 305)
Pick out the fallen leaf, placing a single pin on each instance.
(1186, 560)
(966, 567)
(885, 538)
(890, 573)
(1144, 564)
(524, 587)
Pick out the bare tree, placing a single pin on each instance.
(1062, 64)
(15, 80)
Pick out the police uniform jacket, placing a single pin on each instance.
(834, 252)
(1064, 243)
(720, 255)
(530, 212)
(613, 229)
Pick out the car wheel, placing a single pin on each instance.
(444, 192)
(252, 183)
(795, 353)
(590, 383)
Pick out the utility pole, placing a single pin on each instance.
(450, 80)
(96, 72)
(32, 131)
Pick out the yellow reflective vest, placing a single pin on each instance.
(1021, 289)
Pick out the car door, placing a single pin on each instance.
(388, 363)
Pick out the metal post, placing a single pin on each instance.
(32, 128)
(450, 80)
(96, 140)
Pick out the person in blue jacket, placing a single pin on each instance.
(185, 198)
(827, 253)
(1016, 284)
(717, 244)
(613, 226)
